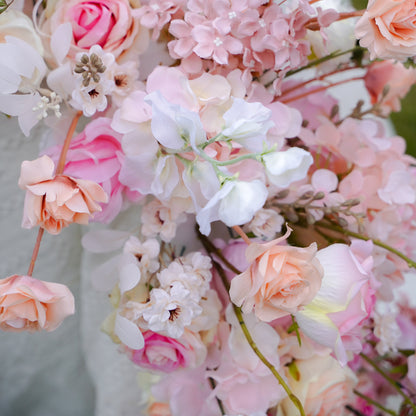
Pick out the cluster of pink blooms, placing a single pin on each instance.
(220, 114)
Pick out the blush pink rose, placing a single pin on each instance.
(112, 24)
(324, 387)
(96, 155)
(395, 77)
(388, 29)
(54, 202)
(279, 281)
(28, 304)
(161, 353)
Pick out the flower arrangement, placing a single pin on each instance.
(217, 119)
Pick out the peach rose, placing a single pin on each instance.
(28, 304)
(395, 77)
(112, 24)
(279, 280)
(388, 29)
(159, 409)
(54, 202)
(324, 387)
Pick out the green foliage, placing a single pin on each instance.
(405, 121)
(4, 5)
(360, 4)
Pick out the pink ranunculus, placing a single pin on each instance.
(388, 29)
(112, 24)
(161, 353)
(393, 76)
(279, 281)
(96, 155)
(54, 202)
(28, 304)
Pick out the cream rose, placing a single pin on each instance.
(323, 387)
(112, 24)
(17, 24)
(279, 281)
(388, 29)
(28, 304)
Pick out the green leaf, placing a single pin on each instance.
(405, 121)
(360, 4)
(294, 371)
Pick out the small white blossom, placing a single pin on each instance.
(283, 168)
(266, 223)
(387, 331)
(48, 103)
(247, 123)
(170, 311)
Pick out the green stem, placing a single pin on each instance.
(392, 382)
(239, 314)
(214, 139)
(220, 405)
(376, 242)
(332, 55)
(374, 403)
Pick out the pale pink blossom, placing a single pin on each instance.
(279, 281)
(388, 29)
(28, 304)
(344, 301)
(96, 155)
(387, 83)
(54, 202)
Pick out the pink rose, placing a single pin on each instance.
(388, 29)
(28, 304)
(112, 24)
(161, 353)
(393, 76)
(324, 387)
(54, 202)
(96, 155)
(279, 280)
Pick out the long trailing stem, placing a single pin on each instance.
(374, 403)
(59, 170)
(319, 89)
(375, 241)
(239, 314)
(392, 382)
(67, 142)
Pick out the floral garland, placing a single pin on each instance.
(219, 114)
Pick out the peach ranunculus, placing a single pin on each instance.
(324, 387)
(388, 29)
(279, 281)
(28, 304)
(395, 77)
(54, 202)
(112, 24)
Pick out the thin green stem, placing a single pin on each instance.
(220, 405)
(214, 139)
(374, 403)
(375, 241)
(246, 332)
(332, 55)
(391, 381)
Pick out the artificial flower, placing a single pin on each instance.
(28, 304)
(55, 201)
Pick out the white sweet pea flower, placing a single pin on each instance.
(234, 204)
(247, 124)
(173, 126)
(283, 168)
